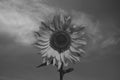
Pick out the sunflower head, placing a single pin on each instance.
(60, 41)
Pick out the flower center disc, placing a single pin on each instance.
(60, 41)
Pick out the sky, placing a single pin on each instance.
(18, 58)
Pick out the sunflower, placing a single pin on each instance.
(59, 41)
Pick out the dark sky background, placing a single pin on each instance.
(18, 62)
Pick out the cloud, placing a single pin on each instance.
(19, 19)
(111, 41)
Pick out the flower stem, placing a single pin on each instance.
(61, 73)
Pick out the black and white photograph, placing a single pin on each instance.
(59, 40)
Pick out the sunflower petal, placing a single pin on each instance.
(71, 58)
(76, 58)
(81, 50)
(75, 45)
(59, 64)
(78, 28)
(43, 60)
(45, 54)
(47, 27)
(63, 59)
(54, 61)
(68, 20)
(43, 42)
(48, 62)
(78, 41)
(56, 22)
(40, 46)
(43, 51)
(50, 53)
(37, 34)
(67, 56)
(42, 37)
(77, 35)
(72, 49)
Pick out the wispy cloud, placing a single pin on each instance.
(111, 41)
(19, 19)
